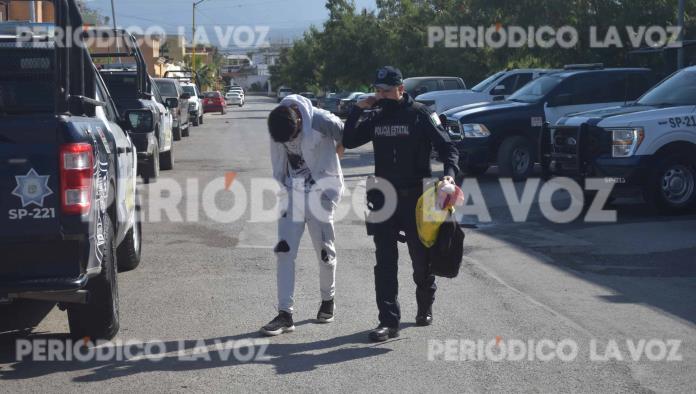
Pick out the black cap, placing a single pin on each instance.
(388, 76)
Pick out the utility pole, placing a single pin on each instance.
(193, 55)
(680, 23)
(113, 19)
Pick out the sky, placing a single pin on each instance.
(287, 19)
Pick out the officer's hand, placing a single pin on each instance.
(340, 151)
(367, 103)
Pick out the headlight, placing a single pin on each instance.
(625, 142)
(475, 130)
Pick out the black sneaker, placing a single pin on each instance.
(281, 324)
(326, 312)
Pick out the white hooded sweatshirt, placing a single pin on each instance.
(321, 133)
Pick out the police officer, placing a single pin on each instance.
(403, 133)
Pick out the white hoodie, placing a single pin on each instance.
(321, 133)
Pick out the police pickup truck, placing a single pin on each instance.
(648, 147)
(132, 88)
(507, 132)
(67, 180)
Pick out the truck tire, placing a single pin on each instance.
(152, 169)
(99, 318)
(201, 120)
(167, 159)
(671, 186)
(196, 120)
(176, 133)
(129, 252)
(515, 158)
(185, 132)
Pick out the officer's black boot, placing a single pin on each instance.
(424, 317)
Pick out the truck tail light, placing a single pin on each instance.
(76, 163)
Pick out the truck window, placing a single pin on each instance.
(168, 89)
(121, 86)
(509, 83)
(27, 82)
(587, 88)
(451, 84)
(523, 79)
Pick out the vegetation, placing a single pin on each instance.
(353, 43)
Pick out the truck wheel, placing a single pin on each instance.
(99, 319)
(672, 183)
(176, 133)
(476, 170)
(201, 121)
(129, 252)
(167, 159)
(185, 132)
(196, 120)
(152, 169)
(515, 159)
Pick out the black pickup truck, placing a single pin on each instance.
(68, 192)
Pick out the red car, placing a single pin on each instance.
(214, 102)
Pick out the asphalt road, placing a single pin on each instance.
(204, 283)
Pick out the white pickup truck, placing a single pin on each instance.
(496, 87)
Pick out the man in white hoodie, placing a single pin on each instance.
(305, 147)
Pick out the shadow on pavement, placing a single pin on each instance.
(286, 358)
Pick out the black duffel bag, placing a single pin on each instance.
(446, 255)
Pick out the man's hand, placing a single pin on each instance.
(340, 150)
(367, 103)
(448, 179)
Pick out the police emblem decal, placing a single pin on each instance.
(32, 188)
(381, 74)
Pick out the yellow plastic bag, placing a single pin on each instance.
(429, 217)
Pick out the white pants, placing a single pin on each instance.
(291, 226)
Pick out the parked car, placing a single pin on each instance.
(496, 87)
(132, 89)
(214, 102)
(195, 102)
(644, 148)
(67, 182)
(177, 101)
(283, 92)
(507, 132)
(235, 97)
(418, 85)
(346, 103)
(312, 97)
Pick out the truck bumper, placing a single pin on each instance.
(473, 152)
(45, 266)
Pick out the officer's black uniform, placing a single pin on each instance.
(403, 134)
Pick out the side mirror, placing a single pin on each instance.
(560, 100)
(171, 103)
(139, 120)
(185, 96)
(499, 88)
(420, 90)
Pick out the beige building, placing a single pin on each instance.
(174, 48)
(42, 11)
